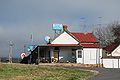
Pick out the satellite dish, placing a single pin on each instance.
(47, 39)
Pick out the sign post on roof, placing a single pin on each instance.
(57, 28)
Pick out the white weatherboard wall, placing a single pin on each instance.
(111, 63)
(92, 56)
(64, 38)
(116, 52)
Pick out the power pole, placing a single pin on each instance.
(24, 48)
(10, 51)
(99, 25)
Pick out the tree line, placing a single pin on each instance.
(108, 34)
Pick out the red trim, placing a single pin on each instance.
(73, 45)
(63, 45)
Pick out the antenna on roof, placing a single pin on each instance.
(99, 21)
(82, 24)
(31, 46)
(31, 39)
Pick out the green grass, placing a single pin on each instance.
(33, 72)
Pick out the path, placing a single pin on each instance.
(104, 74)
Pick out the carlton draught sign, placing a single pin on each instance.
(57, 27)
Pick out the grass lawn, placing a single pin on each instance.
(34, 72)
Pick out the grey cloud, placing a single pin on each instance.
(20, 18)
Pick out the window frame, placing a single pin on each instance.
(79, 54)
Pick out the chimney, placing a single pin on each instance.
(65, 27)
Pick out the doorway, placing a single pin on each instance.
(56, 54)
(79, 56)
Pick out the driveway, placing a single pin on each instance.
(104, 73)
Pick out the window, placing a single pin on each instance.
(79, 54)
(74, 53)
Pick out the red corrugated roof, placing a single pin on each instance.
(85, 37)
(111, 47)
(87, 40)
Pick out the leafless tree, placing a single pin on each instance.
(116, 32)
(105, 34)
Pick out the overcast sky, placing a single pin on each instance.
(21, 18)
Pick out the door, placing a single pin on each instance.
(56, 56)
(79, 56)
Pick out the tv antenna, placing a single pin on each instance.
(99, 22)
(31, 39)
(82, 24)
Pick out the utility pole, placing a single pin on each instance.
(99, 25)
(24, 48)
(10, 51)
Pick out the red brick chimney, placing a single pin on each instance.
(65, 27)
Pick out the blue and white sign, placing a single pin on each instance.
(57, 27)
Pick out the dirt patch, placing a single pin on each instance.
(71, 64)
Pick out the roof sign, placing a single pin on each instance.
(57, 27)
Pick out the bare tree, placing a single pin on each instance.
(104, 35)
(108, 34)
(116, 32)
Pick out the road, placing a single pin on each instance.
(104, 73)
